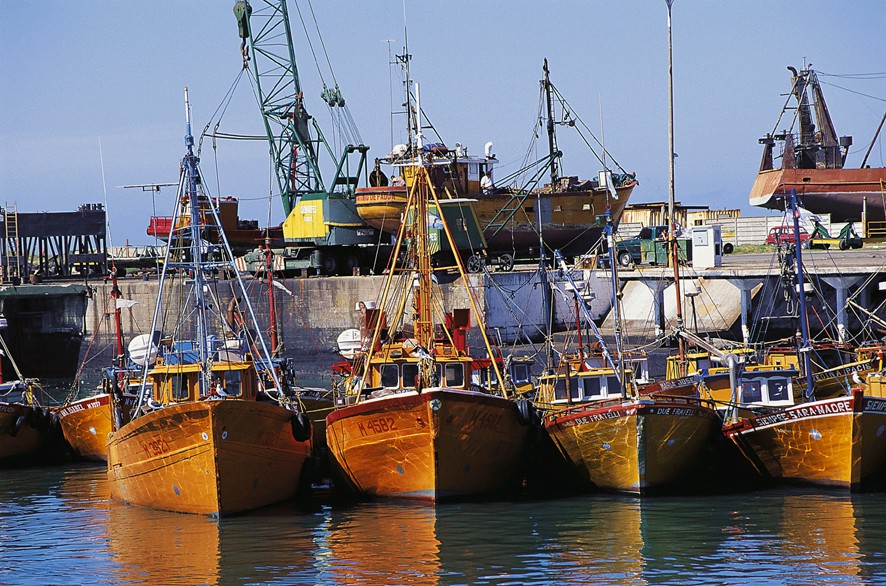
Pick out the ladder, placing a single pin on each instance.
(12, 258)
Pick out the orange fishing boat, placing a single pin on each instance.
(411, 425)
(24, 424)
(214, 431)
(87, 422)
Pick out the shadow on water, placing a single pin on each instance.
(57, 526)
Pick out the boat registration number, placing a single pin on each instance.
(155, 447)
(377, 425)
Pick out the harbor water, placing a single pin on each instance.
(58, 526)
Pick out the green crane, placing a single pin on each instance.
(328, 216)
(294, 135)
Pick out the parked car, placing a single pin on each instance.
(785, 234)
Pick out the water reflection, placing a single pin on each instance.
(154, 547)
(59, 526)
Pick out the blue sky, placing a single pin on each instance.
(76, 74)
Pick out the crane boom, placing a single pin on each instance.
(294, 137)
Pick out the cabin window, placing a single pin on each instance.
(613, 385)
(454, 375)
(410, 374)
(179, 387)
(520, 373)
(473, 172)
(778, 390)
(751, 392)
(591, 387)
(575, 388)
(560, 389)
(232, 382)
(390, 376)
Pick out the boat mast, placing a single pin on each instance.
(609, 231)
(189, 163)
(424, 326)
(118, 327)
(552, 135)
(805, 348)
(272, 302)
(672, 233)
(547, 294)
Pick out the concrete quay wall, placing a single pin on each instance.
(316, 310)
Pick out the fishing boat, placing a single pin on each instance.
(24, 422)
(620, 432)
(813, 162)
(834, 441)
(214, 431)
(86, 422)
(567, 207)
(410, 424)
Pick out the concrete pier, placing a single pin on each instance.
(747, 296)
(312, 312)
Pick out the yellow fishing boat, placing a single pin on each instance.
(636, 441)
(619, 431)
(830, 441)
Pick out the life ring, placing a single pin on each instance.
(301, 427)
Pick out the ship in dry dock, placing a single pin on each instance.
(813, 161)
(509, 213)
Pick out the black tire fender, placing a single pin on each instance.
(19, 422)
(301, 427)
(526, 412)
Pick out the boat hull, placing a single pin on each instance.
(87, 423)
(633, 447)
(835, 442)
(437, 445)
(569, 219)
(839, 192)
(209, 457)
(23, 434)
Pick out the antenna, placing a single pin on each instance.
(101, 158)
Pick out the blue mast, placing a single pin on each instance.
(805, 348)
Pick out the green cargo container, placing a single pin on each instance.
(655, 252)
